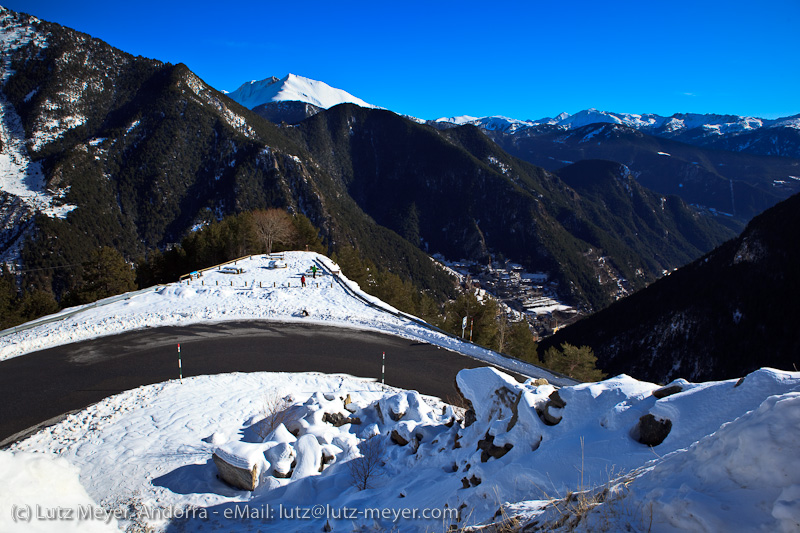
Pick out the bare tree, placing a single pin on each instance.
(502, 330)
(275, 411)
(367, 467)
(273, 226)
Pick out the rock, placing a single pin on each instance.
(490, 450)
(338, 419)
(309, 457)
(489, 394)
(474, 480)
(349, 405)
(551, 412)
(652, 431)
(241, 478)
(469, 417)
(663, 392)
(397, 438)
(395, 406)
(281, 457)
(239, 463)
(464, 483)
(556, 401)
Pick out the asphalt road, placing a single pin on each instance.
(40, 386)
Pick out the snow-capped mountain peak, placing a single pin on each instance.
(293, 88)
(659, 125)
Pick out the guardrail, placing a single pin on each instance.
(508, 363)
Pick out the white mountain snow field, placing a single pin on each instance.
(293, 88)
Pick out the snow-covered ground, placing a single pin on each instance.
(145, 456)
(260, 292)
(522, 452)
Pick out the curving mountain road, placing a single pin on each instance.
(40, 386)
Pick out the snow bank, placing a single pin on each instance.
(41, 493)
(729, 459)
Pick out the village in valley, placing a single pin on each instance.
(531, 296)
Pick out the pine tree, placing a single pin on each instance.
(37, 303)
(105, 274)
(307, 236)
(8, 299)
(481, 319)
(522, 344)
(578, 363)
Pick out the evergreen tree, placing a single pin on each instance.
(37, 303)
(105, 274)
(481, 319)
(8, 299)
(578, 363)
(521, 343)
(307, 236)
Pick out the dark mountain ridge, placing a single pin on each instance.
(456, 193)
(722, 316)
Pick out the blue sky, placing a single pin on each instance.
(526, 59)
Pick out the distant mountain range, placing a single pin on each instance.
(733, 166)
(676, 125)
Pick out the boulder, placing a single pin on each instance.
(236, 476)
(239, 463)
(309, 457)
(397, 438)
(653, 431)
(550, 413)
(663, 392)
(490, 450)
(281, 457)
(338, 419)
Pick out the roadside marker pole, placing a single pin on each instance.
(180, 368)
(383, 368)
